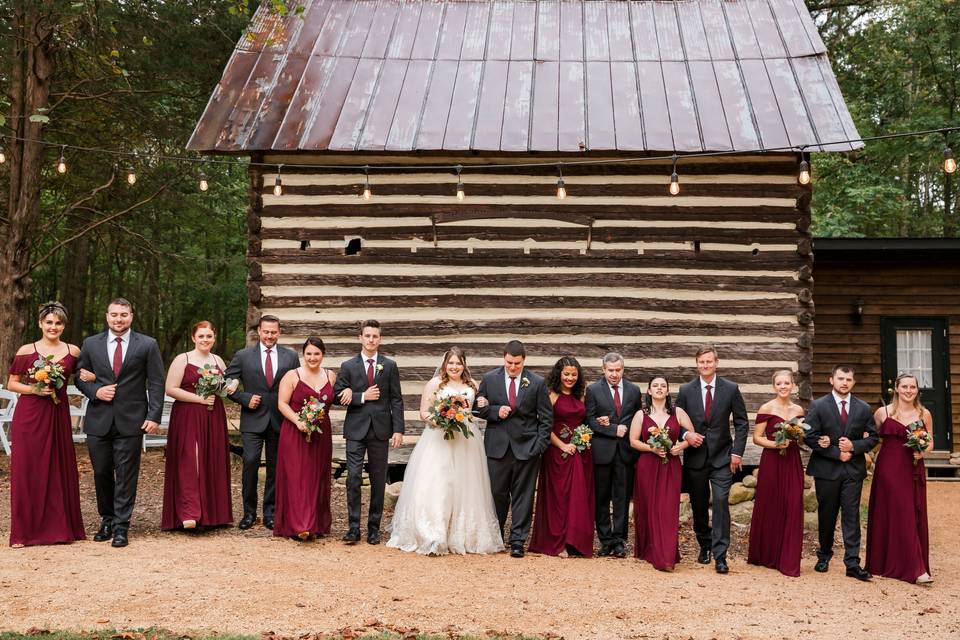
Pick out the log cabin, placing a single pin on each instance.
(407, 98)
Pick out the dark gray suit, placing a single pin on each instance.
(113, 429)
(368, 427)
(613, 457)
(514, 445)
(261, 426)
(839, 484)
(707, 467)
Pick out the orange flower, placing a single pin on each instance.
(41, 376)
(459, 417)
(586, 437)
(654, 431)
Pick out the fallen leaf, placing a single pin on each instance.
(103, 620)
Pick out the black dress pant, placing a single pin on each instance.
(116, 469)
(377, 453)
(700, 483)
(253, 444)
(613, 483)
(513, 483)
(840, 496)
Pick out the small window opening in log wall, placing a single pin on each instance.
(696, 246)
(353, 246)
(755, 252)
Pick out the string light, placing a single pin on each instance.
(561, 185)
(131, 175)
(674, 179)
(949, 162)
(204, 183)
(461, 194)
(367, 193)
(62, 162)
(3, 156)
(803, 177)
(278, 183)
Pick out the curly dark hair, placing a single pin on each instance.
(646, 402)
(553, 379)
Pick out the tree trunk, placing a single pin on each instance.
(73, 283)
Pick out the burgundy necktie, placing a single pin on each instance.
(512, 393)
(708, 403)
(843, 414)
(268, 369)
(118, 358)
(370, 371)
(616, 399)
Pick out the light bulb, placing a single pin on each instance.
(61, 165)
(804, 176)
(204, 184)
(461, 194)
(278, 186)
(949, 162)
(674, 184)
(3, 156)
(561, 189)
(131, 176)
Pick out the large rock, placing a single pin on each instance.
(740, 493)
(391, 494)
(810, 501)
(686, 512)
(742, 513)
(755, 472)
(810, 521)
(808, 482)
(750, 482)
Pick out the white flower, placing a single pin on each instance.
(524, 382)
(379, 368)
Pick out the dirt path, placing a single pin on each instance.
(231, 581)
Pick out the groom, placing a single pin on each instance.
(519, 421)
(126, 401)
(369, 386)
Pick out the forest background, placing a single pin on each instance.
(135, 75)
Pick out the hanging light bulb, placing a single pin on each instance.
(949, 162)
(278, 183)
(204, 183)
(803, 176)
(367, 193)
(62, 162)
(561, 185)
(3, 156)
(674, 179)
(461, 193)
(131, 175)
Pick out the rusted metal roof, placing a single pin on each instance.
(524, 75)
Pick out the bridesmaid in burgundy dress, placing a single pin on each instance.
(776, 528)
(563, 521)
(44, 482)
(196, 484)
(897, 538)
(656, 492)
(303, 468)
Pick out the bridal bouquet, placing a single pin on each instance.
(452, 414)
(579, 437)
(212, 383)
(47, 374)
(312, 414)
(792, 429)
(659, 439)
(918, 438)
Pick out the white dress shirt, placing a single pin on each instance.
(366, 364)
(273, 359)
(506, 381)
(703, 390)
(112, 345)
(837, 398)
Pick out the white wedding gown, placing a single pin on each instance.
(445, 504)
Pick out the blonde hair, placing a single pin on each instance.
(784, 372)
(895, 402)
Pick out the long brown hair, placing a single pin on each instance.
(465, 377)
(895, 401)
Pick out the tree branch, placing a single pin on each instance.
(78, 204)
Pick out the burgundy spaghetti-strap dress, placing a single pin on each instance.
(656, 501)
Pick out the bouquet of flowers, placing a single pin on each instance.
(792, 429)
(47, 374)
(579, 437)
(659, 439)
(212, 383)
(312, 414)
(452, 414)
(918, 438)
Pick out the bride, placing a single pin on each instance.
(445, 504)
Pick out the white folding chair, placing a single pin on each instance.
(9, 400)
(77, 413)
(160, 439)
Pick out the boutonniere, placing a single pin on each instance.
(524, 382)
(379, 368)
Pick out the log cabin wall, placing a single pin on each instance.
(619, 265)
(892, 278)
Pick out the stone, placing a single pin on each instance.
(686, 512)
(810, 521)
(740, 493)
(955, 461)
(756, 472)
(808, 482)
(391, 493)
(810, 501)
(742, 513)
(750, 482)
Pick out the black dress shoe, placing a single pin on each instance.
(119, 537)
(822, 566)
(104, 533)
(620, 551)
(858, 573)
(373, 537)
(722, 567)
(247, 521)
(704, 557)
(268, 523)
(352, 536)
(516, 550)
(605, 550)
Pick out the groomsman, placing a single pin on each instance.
(713, 456)
(126, 401)
(369, 386)
(841, 430)
(611, 405)
(259, 369)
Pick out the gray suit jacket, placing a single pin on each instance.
(384, 415)
(246, 368)
(526, 431)
(599, 403)
(823, 418)
(142, 372)
(718, 445)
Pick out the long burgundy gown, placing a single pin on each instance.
(565, 501)
(44, 482)
(897, 536)
(303, 471)
(776, 527)
(656, 501)
(196, 484)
